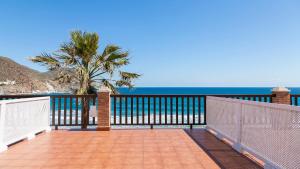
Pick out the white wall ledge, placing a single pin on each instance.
(23, 119)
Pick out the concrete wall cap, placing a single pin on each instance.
(104, 89)
(280, 89)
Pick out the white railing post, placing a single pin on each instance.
(237, 145)
(3, 146)
(48, 128)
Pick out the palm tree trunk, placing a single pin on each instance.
(85, 107)
(85, 110)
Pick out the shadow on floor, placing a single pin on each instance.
(225, 156)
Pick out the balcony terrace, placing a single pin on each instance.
(226, 133)
(135, 148)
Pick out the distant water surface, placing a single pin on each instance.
(179, 91)
(202, 90)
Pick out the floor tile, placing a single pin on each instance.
(116, 149)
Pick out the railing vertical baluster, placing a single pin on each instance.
(193, 110)
(71, 110)
(182, 109)
(137, 110)
(176, 109)
(131, 110)
(171, 109)
(115, 113)
(199, 110)
(65, 110)
(265, 99)
(120, 111)
(59, 110)
(188, 110)
(126, 110)
(154, 111)
(76, 118)
(94, 104)
(148, 109)
(204, 110)
(82, 107)
(143, 109)
(88, 108)
(159, 109)
(166, 110)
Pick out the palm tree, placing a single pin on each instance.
(79, 60)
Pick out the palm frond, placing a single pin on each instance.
(128, 76)
(86, 45)
(116, 55)
(110, 49)
(46, 60)
(121, 62)
(68, 48)
(121, 83)
(111, 59)
(66, 59)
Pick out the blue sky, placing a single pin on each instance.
(171, 42)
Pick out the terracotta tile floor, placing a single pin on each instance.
(159, 148)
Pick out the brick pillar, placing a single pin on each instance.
(281, 95)
(103, 109)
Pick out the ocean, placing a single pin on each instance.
(202, 90)
(120, 108)
(185, 91)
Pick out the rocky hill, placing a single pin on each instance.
(16, 78)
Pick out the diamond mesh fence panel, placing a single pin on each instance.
(269, 131)
(223, 116)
